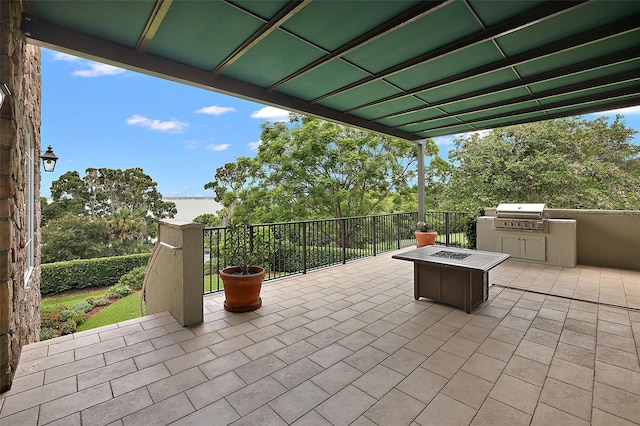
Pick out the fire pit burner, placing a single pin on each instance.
(451, 255)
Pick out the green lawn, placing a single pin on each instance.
(121, 310)
(69, 300)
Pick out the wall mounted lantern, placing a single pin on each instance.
(4, 92)
(49, 160)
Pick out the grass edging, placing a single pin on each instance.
(122, 310)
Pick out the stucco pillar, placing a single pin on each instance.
(174, 280)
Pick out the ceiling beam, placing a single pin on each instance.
(534, 16)
(419, 11)
(55, 37)
(589, 109)
(595, 97)
(622, 77)
(605, 31)
(270, 26)
(600, 62)
(153, 23)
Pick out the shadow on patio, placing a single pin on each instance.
(349, 344)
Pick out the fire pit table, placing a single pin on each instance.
(451, 275)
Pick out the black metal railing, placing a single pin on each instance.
(451, 227)
(297, 247)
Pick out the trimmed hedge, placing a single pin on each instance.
(98, 272)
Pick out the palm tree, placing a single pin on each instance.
(127, 225)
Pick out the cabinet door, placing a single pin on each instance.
(529, 247)
(509, 244)
(533, 248)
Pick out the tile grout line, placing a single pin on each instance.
(568, 297)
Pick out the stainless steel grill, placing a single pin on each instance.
(520, 217)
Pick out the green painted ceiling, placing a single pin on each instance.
(404, 68)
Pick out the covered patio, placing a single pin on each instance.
(410, 69)
(347, 344)
(350, 345)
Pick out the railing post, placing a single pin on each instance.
(447, 229)
(304, 247)
(207, 234)
(421, 178)
(398, 230)
(374, 230)
(343, 225)
(250, 238)
(219, 257)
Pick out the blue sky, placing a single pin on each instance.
(95, 115)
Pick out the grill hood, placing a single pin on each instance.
(520, 211)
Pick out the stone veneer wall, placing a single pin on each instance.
(19, 300)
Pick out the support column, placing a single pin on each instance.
(174, 279)
(421, 183)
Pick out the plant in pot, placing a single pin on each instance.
(425, 237)
(243, 280)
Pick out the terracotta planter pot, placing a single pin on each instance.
(426, 238)
(242, 292)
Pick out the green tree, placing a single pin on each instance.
(70, 186)
(209, 220)
(106, 190)
(102, 192)
(565, 163)
(310, 168)
(107, 212)
(127, 225)
(53, 210)
(232, 181)
(74, 237)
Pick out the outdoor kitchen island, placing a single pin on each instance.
(451, 275)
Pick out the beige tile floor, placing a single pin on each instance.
(605, 286)
(350, 345)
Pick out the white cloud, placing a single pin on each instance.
(215, 110)
(59, 56)
(86, 68)
(271, 113)
(219, 147)
(173, 125)
(97, 70)
(254, 145)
